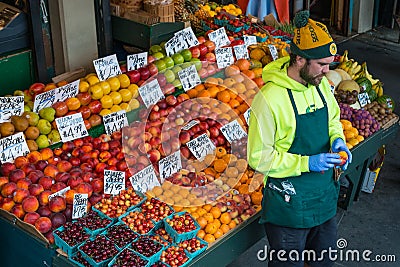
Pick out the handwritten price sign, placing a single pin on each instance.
(9, 106)
(59, 193)
(114, 182)
(189, 78)
(170, 165)
(136, 61)
(59, 94)
(79, 206)
(224, 57)
(233, 131)
(107, 67)
(71, 127)
(274, 52)
(363, 98)
(188, 36)
(144, 180)
(201, 146)
(151, 93)
(174, 45)
(249, 40)
(115, 121)
(12, 147)
(219, 37)
(246, 115)
(241, 51)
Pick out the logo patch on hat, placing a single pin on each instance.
(333, 49)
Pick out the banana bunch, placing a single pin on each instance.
(378, 88)
(364, 73)
(349, 65)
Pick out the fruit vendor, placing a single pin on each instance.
(294, 137)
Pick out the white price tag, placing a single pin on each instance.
(241, 51)
(47, 99)
(12, 147)
(79, 205)
(363, 98)
(188, 36)
(59, 193)
(170, 165)
(151, 93)
(115, 121)
(114, 182)
(136, 61)
(219, 37)
(107, 67)
(9, 106)
(224, 57)
(246, 115)
(233, 131)
(71, 127)
(201, 146)
(144, 180)
(174, 45)
(249, 40)
(189, 78)
(273, 51)
(190, 124)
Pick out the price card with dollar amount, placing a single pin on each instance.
(79, 205)
(170, 165)
(241, 51)
(136, 61)
(174, 45)
(190, 124)
(201, 146)
(151, 93)
(107, 67)
(115, 121)
(144, 180)
(10, 106)
(249, 40)
(233, 131)
(363, 98)
(246, 115)
(224, 57)
(188, 36)
(71, 127)
(12, 147)
(59, 193)
(189, 78)
(274, 52)
(114, 182)
(219, 37)
(47, 99)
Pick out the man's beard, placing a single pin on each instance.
(313, 80)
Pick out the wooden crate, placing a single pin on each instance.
(142, 17)
(160, 10)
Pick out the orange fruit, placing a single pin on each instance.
(209, 217)
(73, 103)
(124, 80)
(202, 222)
(201, 211)
(232, 224)
(220, 152)
(216, 212)
(256, 198)
(195, 215)
(218, 233)
(211, 228)
(224, 96)
(249, 73)
(225, 218)
(207, 207)
(243, 64)
(209, 238)
(220, 165)
(213, 91)
(234, 103)
(225, 228)
(192, 93)
(259, 81)
(201, 234)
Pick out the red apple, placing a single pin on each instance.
(144, 73)
(150, 59)
(84, 98)
(95, 106)
(36, 88)
(195, 51)
(85, 111)
(162, 81)
(152, 68)
(134, 76)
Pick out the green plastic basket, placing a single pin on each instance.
(183, 236)
(113, 261)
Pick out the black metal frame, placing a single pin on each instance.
(103, 27)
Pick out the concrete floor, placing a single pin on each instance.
(373, 222)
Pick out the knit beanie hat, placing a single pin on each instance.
(311, 38)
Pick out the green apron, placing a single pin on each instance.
(315, 198)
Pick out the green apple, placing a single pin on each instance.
(42, 141)
(169, 75)
(169, 62)
(44, 126)
(186, 65)
(158, 55)
(177, 83)
(197, 63)
(178, 58)
(187, 55)
(47, 113)
(176, 69)
(160, 65)
(154, 49)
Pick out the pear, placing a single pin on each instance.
(32, 132)
(54, 136)
(27, 108)
(20, 123)
(32, 117)
(18, 93)
(6, 129)
(32, 145)
(30, 104)
(44, 126)
(47, 113)
(42, 141)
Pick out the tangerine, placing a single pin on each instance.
(224, 96)
(202, 222)
(225, 228)
(201, 234)
(232, 224)
(234, 104)
(249, 73)
(209, 217)
(220, 152)
(209, 238)
(218, 233)
(220, 165)
(207, 207)
(192, 93)
(259, 81)
(216, 212)
(243, 64)
(225, 218)
(211, 228)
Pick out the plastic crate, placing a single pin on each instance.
(99, 230)
(261, 39)
(199, 251)
(184, 236)
(186, 263)
(76, 262)
(231, 28)
(92, 261)
(112, 262)
(127, 213)
(62, 244)
(160, 262)
(221, 22)
(153, 258)
(122, 225)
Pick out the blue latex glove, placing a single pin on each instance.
(323, 162)
(339, 145)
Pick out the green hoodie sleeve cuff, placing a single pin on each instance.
(304, 164)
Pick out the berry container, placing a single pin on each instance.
(120, 244)
(94, 232)
(90, 259)
(153, 258)
(178, 237)
(77, 263)
(62, 244)
(199, 251)
(113, 262)
(120, 219)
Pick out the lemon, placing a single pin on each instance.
(125, 106)
(83, 86)
(104, 112)
(114, 83)
(134, 104)
(115, 108)
(92, 79)
(124, 80)
(106, 87)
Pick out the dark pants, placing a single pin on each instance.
(287, 245)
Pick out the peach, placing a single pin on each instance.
(64, 166)
(31, 217)
(20, 161)
(95, 198)
(46, 182)
(74, 181)
(40, 165)
(69, 196)
(57, 187)
(51, 170)
(35, 189)
(58, 219)
(18, 211)
(27, 168)
(54, 160)
(68, 212)
(30, 204)
(24, 183)
(7, 204)
(3, 180)
(20, 194)
(8, 189)
(63, 177)
(43, 225)
(34, 176)
(34, 156)
(84, 188)
(16, 175)
(97, 185)
(44, 211)
(6, 168)
(57, 152)
(46, 153)
(49, 236)
(57, 204)
(44, 197)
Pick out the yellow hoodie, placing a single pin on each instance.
(272, 122)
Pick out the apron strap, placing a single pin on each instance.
(294, 104)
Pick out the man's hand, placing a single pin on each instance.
(323, 162)
(339, 145)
